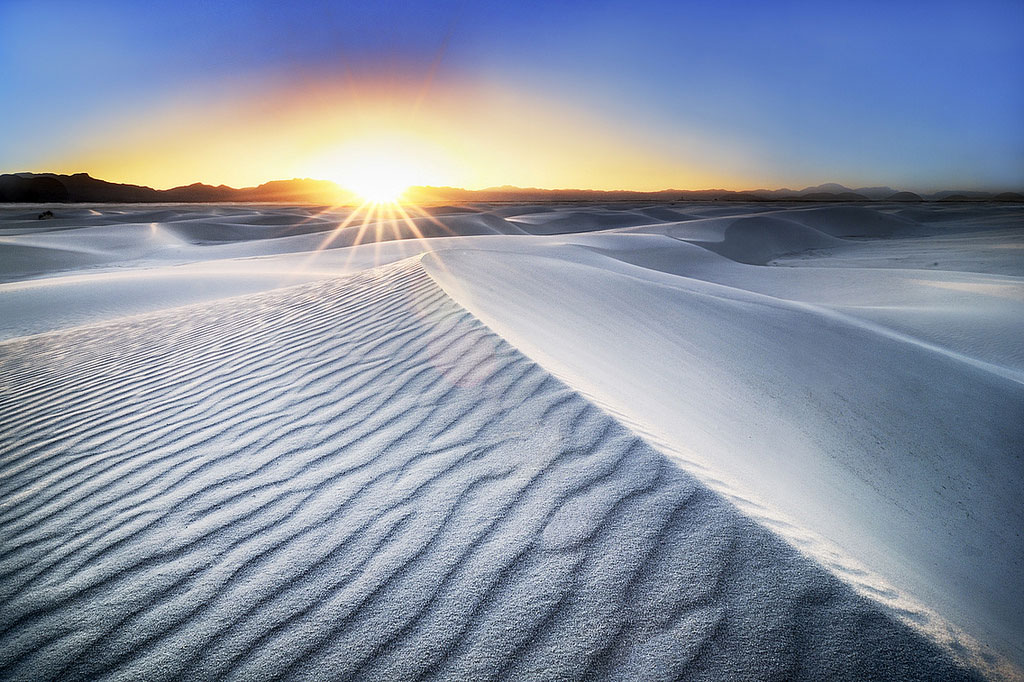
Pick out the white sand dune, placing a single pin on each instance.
(568, 220)
(350, 474)
(994, 252)
(813, 417)
(34, 248)
(358, 477)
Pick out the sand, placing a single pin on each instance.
(673, 442)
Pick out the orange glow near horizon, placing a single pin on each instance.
(378, 140)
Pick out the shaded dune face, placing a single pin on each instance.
(355, 479)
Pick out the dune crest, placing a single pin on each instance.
(356, 476)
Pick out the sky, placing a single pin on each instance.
(598, 94)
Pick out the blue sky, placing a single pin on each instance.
(915, 95)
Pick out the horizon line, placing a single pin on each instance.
(763, 188)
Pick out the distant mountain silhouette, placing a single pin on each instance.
(982, 196)
(821, 193)
(32, 189)
(961, 195)
(876, 193)
(905, 196)
(81, 187)
(825, 192)
(833, 196)
(828, 187)
(41, 188)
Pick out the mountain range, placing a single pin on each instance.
(81, 187)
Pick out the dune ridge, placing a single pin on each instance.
(817, 433)
(356, 476)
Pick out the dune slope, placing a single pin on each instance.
(355, 478)
(890, 453)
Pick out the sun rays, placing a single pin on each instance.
(376, 222)
(379, 169)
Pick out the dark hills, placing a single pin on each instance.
(833, 196)
(51, 187)
(81, 187)
(905, 196)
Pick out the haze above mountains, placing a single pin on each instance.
(81, 187)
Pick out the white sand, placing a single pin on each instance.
(355, 475)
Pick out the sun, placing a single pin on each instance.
(382, 166)
(379, 180)
(379, 169)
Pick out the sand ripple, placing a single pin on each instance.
(357, 479)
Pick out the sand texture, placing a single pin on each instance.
(584, 442)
